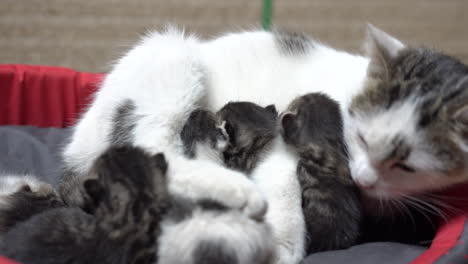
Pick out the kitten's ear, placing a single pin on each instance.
(460, 127)
(95, 192)
(272, 109)
(380, 48)
(289, 126)
(160, 162)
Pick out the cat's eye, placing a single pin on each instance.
(403, 167)
(362, 140)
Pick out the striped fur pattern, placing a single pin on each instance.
(252, 146)
(126, 196)
(23, 196)
(408, 131)
(313, 127)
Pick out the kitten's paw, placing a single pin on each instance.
(11, 184)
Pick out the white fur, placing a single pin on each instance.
(378, 129)
(12, 183)
(168, 75)
(276, 177)
(243, 235)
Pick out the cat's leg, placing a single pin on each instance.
(276, 176)
(204, 179)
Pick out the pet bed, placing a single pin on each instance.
(39, 103)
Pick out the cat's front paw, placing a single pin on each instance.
(198, 180)
(244, 195)
(288, 255)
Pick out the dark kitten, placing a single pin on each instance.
(241, 131)
(22, 197)
(250, 129)
(126, 197)
(203, 127)
(313, 127)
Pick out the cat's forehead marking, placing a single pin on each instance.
(293, 43)
(388, 131)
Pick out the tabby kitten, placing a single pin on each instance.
(239, 134)
(254, 148)
(21, 197)
(126, 198)
(313, 127)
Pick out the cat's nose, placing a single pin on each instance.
(365, 184)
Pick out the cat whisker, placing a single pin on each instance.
(428, 207)
(416, 204)
(446, 206)
(406, 211)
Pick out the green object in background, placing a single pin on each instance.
(266, 14)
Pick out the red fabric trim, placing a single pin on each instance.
(446, 238)
(6, 261)
(448, 234)
(43, 96)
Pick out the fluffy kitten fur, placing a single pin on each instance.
(331, 204)
(168, 75)
(21, 197)
(126, 196)
(252, 146)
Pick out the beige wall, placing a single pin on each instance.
(88, 34)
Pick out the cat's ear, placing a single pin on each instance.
(289, 126)
(272, 109)
(460, 127)
(94, 193)
(381, 48)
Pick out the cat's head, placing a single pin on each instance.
(127, 188)
(313, 118)
(408, 128)
(250, 129)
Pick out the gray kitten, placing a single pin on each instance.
(313, 127)
(125, 199)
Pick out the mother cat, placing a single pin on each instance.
(405, 109)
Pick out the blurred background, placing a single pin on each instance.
(88, 35)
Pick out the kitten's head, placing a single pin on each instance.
(408, 129)
(250, 128)
(128, 190)
(313, 118)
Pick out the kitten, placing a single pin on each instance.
(313, 127)
(253, 147)
(126, 196)
(21, 197)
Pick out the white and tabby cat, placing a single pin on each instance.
(404, 109)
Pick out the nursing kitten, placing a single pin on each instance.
(239, 133)
(168, 75)
(331, 204)
(126, 196)
(254, 147)
(21, 197)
